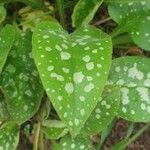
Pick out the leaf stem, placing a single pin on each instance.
(60, 7)
(36, 137)
(41, 144)
(102, 21)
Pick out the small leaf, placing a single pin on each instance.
(73, 69)
(7, 37)
(20, 81)
(79, 143)
(2, 12)
(105, 133)
(133, 75)
(132, 17)
(104, 112)
(29, 19)
(54, 129)
(84, 11)
(9, 136)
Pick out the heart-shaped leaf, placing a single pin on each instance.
(73, 69)
(133, 17)
(20, 81)
(133, 75)
(84, 11)
(9, 136)
(67, 143)
(54, 129)
(104, 112)
(7, 37)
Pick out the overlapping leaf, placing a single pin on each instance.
(133, 17)
(73, 69)
(79, 143)
(133, 75)
(84, 11)
(9, 136)
(20, 81)
(7, 37)
(104, 112)
(4, 115)
(54, 129)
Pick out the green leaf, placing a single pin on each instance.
(104, 112)
(4, 115)
(133, 75)
(73, 69)
(67, 143)
(20, 81)
(2, 12)
(7, 37)
(132, 17)
(84, 11)
(9, 136)
(54, 129)
(105, 133)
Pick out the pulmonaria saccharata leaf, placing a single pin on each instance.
(133, 17)
(20, 81)
(79, 143)
(73, 69)
(104, 112)
(132, 74)
(9, 136)
(7, 37)
(84, 11)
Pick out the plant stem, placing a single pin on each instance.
(36, 137)
(41, 144)
(102, 21)
(60, 7)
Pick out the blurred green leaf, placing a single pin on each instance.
(9, 136)
(7, 37)
(84, 11)
(133, 17)
(20, 81)
(2, 12)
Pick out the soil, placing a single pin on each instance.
(119, 131)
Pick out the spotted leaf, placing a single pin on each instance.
(79, 143)
(133, 75)
(4, 115)
(133, 17)
(73, 69)
(84, 11)
(104, 112)
(54, 129)
(20, 81)
(9, 136)
(7, 37)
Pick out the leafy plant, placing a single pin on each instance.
(60, 84)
